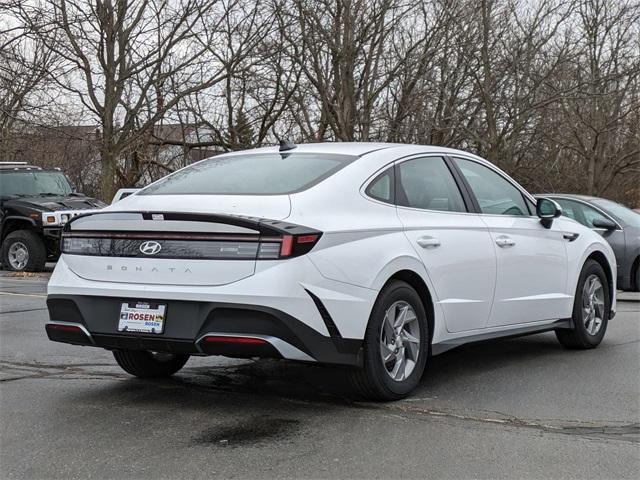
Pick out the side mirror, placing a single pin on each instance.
(547, 210)
(604, 223)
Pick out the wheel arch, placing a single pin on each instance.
(601, 258)
(419, 285)
(14, 223)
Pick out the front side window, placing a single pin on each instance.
(591, 214)
(34, 182)
(570, 209)
(580, 212)
(252, 174)
(495, 194)
(624, 214)
(427, 183)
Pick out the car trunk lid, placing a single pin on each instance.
(173, 248)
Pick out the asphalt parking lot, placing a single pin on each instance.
(519, 408)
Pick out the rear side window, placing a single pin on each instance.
(382, 187)
(427, 183)
(253, 174)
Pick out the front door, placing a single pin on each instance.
(531, 259)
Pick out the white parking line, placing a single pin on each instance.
(23, 294)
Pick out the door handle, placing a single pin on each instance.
(428, 242)
(571, 236)
(503, 241)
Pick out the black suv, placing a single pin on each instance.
(35, 203)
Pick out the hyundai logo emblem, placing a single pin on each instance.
(150, 247)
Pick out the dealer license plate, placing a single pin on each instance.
(142, 317)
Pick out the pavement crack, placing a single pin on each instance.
(610, 345)
(41, 370)
(623, 432)
(23, 311)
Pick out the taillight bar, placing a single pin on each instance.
(167, 236)
(99, 234)
(186, 245)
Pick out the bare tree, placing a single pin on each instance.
(599, 120)
(547, 89)
(347, 56)
(25, 69)
(129, 57)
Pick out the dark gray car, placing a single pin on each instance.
(616, 223)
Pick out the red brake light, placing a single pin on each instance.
(65, 328)
(287, 246)
(235, 340)
(307, 239)
(295, 245)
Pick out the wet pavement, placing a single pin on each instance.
(519, 408)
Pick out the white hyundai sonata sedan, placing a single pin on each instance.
(371, 256)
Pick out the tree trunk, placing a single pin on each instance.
(108, 157)
(108, 164)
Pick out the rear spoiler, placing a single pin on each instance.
(264, 226)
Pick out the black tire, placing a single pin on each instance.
(35, 250)
(144, 364)
(373, 381)
(637, 289)
(579, 337)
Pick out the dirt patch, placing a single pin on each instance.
(7, 273)
(250, 431)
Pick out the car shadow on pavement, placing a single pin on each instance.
(301, 382)
(270, 400)
(488, 356)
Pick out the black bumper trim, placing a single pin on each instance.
(332, 328)
(188, 321)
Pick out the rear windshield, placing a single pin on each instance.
(253, 174)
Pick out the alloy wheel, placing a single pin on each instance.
(18, 255)
(400, 340)
(592, 304)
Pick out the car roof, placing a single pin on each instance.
(22, 166)
(568, 195)
(347, 148)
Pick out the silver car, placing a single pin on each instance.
(619, 225)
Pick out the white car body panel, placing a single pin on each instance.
(476, 287)
(538, 255)
(462, 268)
(276, 207)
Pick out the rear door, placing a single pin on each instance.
(531, 259)
(454, 245)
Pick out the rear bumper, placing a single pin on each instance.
(92, 320)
